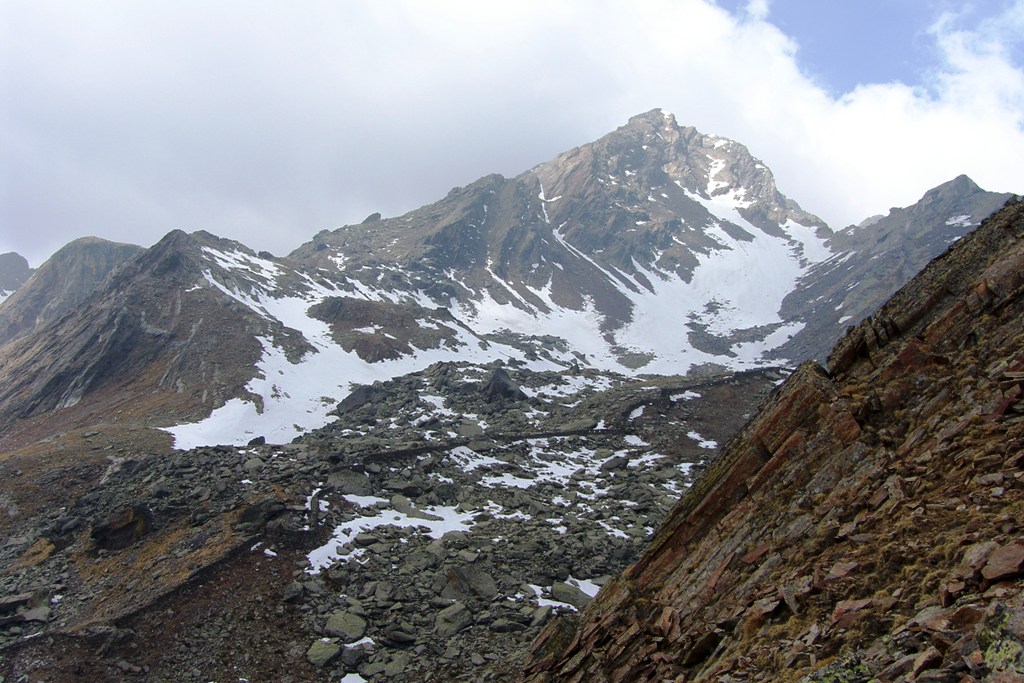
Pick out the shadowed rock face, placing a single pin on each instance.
(127, 342)
(64, 281)
(875, 259)
(868, 518)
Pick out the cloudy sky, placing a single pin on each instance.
(269, 121)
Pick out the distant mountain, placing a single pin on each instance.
(654, 250)
(14, 271)
(62, 283)
(874, 259)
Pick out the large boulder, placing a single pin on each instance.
(123, 528)
(346, 625)
(500, 387)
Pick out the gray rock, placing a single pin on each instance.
(322, 652)
(293, 593)
(584, 424)
(564, 592)
(400, 637)
(345, 625)
(541, 615)
(41, 614)
(452, 619)
(397, 665)
(347, 481)
(499, 387)
(617, 462)
(253, 465)
(352, 657)
(464, 582)
(503, 625)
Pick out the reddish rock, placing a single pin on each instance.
(899, 494)
(755, 554)
(950, 590)
(896, 669)
(1005, 562)
(848, 612)
(840, 570)
(929, 659)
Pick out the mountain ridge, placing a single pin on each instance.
(654, 250)
(413, 445)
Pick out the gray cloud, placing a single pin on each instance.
(266, 122)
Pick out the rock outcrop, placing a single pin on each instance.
(14, 271)
(866, 525)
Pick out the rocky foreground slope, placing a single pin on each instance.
(867, 525)
(430, 530)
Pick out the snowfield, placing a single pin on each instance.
(737, 287)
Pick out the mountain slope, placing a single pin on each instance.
(867, 519)
(873, 260)
(595, 242)
(654, 250)
(128, 344)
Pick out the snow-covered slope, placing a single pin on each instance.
(654, 250)
(738, 286)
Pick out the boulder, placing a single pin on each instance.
(345, 625)
(322, 652)
(500, 387)
(452, 619)
(464, 582)
(1005, 562)
(257, 511)
(564, 592)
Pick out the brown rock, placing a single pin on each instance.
(950, 590)
(847, 612)
(755, 554)
(840, 569)
(898, 668)
(1005, 562)
(929, 659)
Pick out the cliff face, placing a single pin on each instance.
(866, 525)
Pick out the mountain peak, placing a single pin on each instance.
(961, 185)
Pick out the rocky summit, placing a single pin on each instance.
(865, 526)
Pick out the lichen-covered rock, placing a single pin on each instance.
(322, 652)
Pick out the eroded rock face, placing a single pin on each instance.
(871, 511)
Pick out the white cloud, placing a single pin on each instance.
(269, 122)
